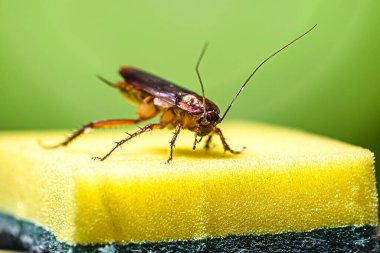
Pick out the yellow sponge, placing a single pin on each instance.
(285, 181)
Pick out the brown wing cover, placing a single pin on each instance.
(183, 98)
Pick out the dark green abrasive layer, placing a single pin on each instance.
(22, 235)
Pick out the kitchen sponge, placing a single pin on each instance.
(286, 184)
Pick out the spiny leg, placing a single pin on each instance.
(172, 142)
(196, 140)
(107, 123)
(225, 145)
(144, 129)
(208, 141)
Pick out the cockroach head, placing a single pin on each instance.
(207, 122)
(208, 118)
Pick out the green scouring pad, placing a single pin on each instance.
(289, 191)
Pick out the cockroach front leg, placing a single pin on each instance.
(196, 140)
(225, 145)
(107, 123)
(172, 142)
(144, 129)
(208, 141)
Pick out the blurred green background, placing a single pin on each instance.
(327, 83)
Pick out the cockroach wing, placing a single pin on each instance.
(183, 98)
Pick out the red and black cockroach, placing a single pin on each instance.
(179, 108)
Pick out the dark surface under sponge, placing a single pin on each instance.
(22, 235)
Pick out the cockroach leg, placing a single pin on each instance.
(195, 140)
(225, 145)
(208, 141)
(172, 142)
(144, 129)
(107, 123)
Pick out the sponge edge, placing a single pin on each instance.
(26, 236)
(286, 181)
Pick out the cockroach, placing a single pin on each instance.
(179, 107)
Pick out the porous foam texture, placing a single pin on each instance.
(285, 181)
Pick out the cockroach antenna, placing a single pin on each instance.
(200, 79)
(258, 67)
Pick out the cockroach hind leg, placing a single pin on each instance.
(64, 143)
(45, 146)
(90, 126)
